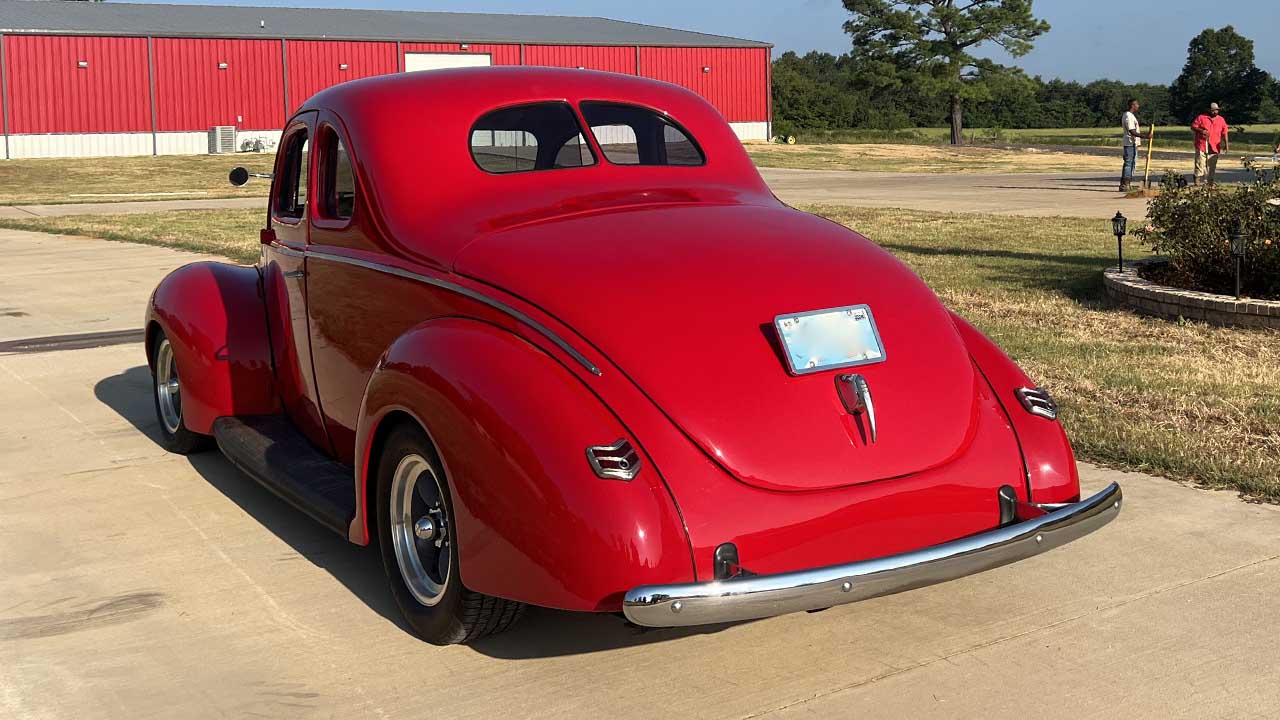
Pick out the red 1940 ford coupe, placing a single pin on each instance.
(546, 336)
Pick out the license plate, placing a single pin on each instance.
(825, 339)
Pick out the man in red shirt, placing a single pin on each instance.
(1211, 140)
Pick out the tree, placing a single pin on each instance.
(1219, 69)
(931, 42)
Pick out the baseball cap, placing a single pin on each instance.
(1213, 106)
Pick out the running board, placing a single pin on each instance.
(271, 450)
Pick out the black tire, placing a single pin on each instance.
(174, 434)
(457, 615)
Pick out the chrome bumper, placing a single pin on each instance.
(757, 596)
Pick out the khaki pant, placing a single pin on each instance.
(1206, 165)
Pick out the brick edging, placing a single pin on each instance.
(1129, 288)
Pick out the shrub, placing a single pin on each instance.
(1193, 226)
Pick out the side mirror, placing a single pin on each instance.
(239, 176)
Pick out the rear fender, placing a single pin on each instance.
(215, 319)
(1051, 465)
(511, 426)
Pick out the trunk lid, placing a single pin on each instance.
(682, 298)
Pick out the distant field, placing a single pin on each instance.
(117, 179)
(944, 159)
(1257, 138)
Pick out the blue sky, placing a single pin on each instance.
(1131, 40)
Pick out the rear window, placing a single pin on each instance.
(540, 136)
(631, 135)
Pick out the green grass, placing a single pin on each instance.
(940, 159)
(1185, 400)
(1257, 138)
(117, 179)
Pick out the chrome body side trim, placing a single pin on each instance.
(757, 596)
(470, 294)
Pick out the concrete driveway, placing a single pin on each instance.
(139, 584)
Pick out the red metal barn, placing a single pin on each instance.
(85, 79)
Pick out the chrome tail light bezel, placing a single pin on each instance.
(618, 461)
(1038, 402)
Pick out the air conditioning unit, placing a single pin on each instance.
(222, 139)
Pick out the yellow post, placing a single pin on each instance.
(1146, 180)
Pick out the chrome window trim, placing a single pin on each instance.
(467, 293)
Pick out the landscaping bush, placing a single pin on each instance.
(1193, 226)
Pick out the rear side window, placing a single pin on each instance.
(291, 202)
(338, 182)
(631, 135)
(540, 136)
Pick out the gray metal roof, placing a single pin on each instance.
(111, 18)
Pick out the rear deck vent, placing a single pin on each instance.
(222, 139)
(618, 461)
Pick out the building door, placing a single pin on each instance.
(414, 62)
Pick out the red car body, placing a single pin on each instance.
(521, 318)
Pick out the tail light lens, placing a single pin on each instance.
(1038, 402)
(618, 461)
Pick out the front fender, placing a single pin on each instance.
(1051, 465)
(511, 426)
(214, 316)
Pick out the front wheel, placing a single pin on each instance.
(167, 393)
(418, 542)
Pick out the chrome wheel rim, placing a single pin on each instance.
(420, 529)
(168, 389)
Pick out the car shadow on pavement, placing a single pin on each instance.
(541, 633)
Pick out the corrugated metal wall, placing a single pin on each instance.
(498, 54)
(317, 64)
(193, 92)
(609, 59)
(737, 83)
(50, 93)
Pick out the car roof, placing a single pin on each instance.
(409, 134)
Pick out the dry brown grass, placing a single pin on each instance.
(940, 159)
(231, 233)
(1185, 400)
(115, 179)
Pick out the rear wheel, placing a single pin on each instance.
(419, 547)
(167, 393)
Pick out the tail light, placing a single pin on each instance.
(1038, 402)
(618, 461)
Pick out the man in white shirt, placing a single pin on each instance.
(1132, 141)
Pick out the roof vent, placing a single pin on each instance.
(618, 461)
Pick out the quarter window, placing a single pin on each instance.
(339, 181)
(631, 135)
(540, 136)
(291, 202)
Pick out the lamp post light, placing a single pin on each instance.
(1118, 225)
(1237, 253)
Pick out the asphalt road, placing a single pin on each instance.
(134, 583)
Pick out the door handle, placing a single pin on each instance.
(294, 273)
